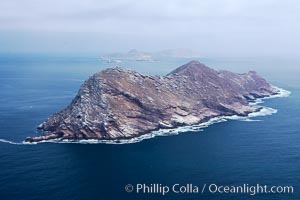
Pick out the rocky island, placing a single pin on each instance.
(136, 55)
(119, 103)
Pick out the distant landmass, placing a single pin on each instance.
(135, 55)
(118, 103)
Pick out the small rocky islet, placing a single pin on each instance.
(118, 103)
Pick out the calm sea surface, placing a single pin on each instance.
(265, 152)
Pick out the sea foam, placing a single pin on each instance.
(10, 142)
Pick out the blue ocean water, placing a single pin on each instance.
(265, 152)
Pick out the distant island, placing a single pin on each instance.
(135, 55)
(118, 103)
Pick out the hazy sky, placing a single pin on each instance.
(211, 27)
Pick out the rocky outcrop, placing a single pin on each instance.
(118, 103)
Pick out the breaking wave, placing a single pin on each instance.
(264, 111)
(11, 142)
(281, 93)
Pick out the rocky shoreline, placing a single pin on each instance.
(117, 104)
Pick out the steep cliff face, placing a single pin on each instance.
(118, 103)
